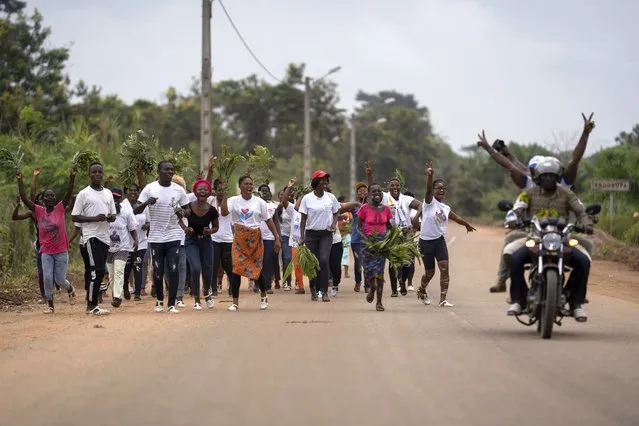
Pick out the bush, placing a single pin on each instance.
(631, 236)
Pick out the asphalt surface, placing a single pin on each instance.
(338, 363)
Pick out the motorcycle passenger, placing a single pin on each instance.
(503, 272)
(550, 200)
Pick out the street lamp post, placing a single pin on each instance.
(307, 122)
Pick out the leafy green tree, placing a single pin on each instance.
(31, 73)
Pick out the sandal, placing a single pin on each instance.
(371, 295)
(379, 307)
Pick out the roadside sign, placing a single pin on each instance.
(610, 185)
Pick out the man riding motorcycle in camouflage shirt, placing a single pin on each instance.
(548, 199)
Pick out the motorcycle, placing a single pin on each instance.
(550, 244)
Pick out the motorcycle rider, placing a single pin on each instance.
(549, 199)
(531, 182)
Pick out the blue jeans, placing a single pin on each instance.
(54, 268)
(199, 255)
(287, 256)
(267, 265)
(166, 254)
(181, 271)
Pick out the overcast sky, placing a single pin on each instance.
(522, 70)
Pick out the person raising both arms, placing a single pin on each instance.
(54, 243)
(519, 173)
(432, 241)
(94, 209)
(164, 199)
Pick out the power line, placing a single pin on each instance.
(246, 44)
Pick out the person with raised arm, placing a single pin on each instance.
(432, 237)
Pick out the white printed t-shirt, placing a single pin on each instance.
(164, 226)
(434, 220)
(90, 202)
(224, 232)
(249, 213)
(120, 231)
(399, 208)
(266, 233)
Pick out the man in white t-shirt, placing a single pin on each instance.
(164, 200)
(94, 208)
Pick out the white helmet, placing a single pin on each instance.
(533, 162)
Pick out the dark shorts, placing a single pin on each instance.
(433, 249)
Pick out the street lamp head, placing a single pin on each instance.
(334, 70)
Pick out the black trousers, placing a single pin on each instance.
(94, 253)
(222, 258)
(320, 243)
(335, 262)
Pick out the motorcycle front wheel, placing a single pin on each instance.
(549, 307)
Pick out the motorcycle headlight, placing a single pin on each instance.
(551, 241)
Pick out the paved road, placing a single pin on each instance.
(341, 363)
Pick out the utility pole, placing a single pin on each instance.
(206, 138)
(353, 165)
(307, 130)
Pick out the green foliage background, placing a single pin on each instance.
(52, 120)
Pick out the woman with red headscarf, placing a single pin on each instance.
(202, 220)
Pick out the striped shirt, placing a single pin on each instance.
(163, 221)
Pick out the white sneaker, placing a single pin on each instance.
(180, 304)
(410, 288)
(210, 303)
(426, 299)
(173, 310)
(319, 295)
(287, 287)
(445, 304)
(264, 303)
(515, 309)
(579, 314)
(159, 306)
(197, 306)
(233, 307)
(98, 311)
(334, 292)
